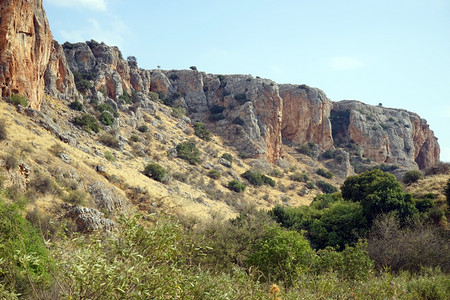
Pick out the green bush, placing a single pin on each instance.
(379, 193)
(82, 81)
(241, 98)
(178, 112)
(228, 157)
(106, 118)
(155, 171)
(216, 109)
(106, 107)
(18, 100)
(134, 138)
(76, 105)
(109, 156)
(258, 179)
(326, 187)
(201, 131)
(300, 177)
(281, 255)
(412, 176)
(87, 122)
(188, 151)
(236, 185)
(143, 128)
(214, 174)
(447, 193)
(324, 173)
(306, 149)
(125, 97)
(25, 262)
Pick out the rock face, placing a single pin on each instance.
(246, 111)
(59, 81)
(102, 67)
(25, 47)
(385, 135)
(306, 116)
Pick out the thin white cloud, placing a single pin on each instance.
(344, 63)
(112, 32)
(88, 4)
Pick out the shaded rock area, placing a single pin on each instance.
(106, 199)
(89, 219)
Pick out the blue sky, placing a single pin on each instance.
(393, 52)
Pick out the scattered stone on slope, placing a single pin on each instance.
(89, 219)
(106, 199)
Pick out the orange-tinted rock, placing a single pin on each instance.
(306, 113)
(25, 47)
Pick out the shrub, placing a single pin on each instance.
(18, 100)
(300, 177)
(379, 192)
(3, 130)
(216, 109)
(125, 97)
(214, 174)
(178, 112)
(143, 128)
(241, 98)
(188, 151)
(228, 157)
(109, 156)
(106, 107)
(76, 105)
(42, 184)
(25, 262)
(193, 68)
(75, 197)
(216, 117)
(56, 149)
(328, 154)
(87, 122)
(258, 179)
(236, 185)
(201, 131)
(326, 187)
(306, 149)
(134, 138)
(11, 161)
(107, 118)
(281, 255)
(412, 176)
(155, 171)
(109, 140)
(324, 173)
(173, 76)
(238, 121)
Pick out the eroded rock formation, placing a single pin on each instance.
(385, 135)
(25, 47)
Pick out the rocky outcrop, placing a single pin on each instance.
(306, 116)
(25, 47)
(385, 135)
(59, 81)
(106, 199)
(89, 219)
(102, 67)
(245, 111)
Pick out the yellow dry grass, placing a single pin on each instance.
(200, 196)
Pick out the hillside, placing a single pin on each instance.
(120, 182)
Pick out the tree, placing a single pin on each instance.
(379, 192)
(188, 151)
(201, 131)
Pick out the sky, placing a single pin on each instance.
(394, 52)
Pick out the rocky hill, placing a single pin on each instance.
(276, 129)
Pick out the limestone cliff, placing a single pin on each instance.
(385, 135)
(306, 116)
(25, 47)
